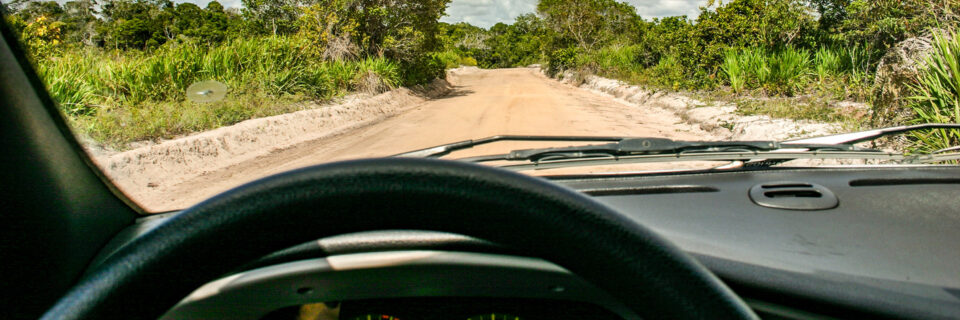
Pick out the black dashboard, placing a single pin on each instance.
(888, 248)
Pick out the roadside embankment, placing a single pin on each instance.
(721, 121)
(190, 156)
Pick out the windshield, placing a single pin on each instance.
(177, 101)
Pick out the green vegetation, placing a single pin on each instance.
(119, 68)
(125, 63)
(783, 58)
(937, 92)
(122, 97)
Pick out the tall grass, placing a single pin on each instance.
(826, 64)
(734, 69)
(788, 71)
(778, 72)
(937, 93)
(119, 97)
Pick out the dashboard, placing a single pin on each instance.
(883, 245)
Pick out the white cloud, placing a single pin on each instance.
(666, 8)
(486, 13)
(203, 3)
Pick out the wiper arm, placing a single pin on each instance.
(869, 135)
(651, 146)
(445, 149)
(621, 146)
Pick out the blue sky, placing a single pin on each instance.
(485, 13)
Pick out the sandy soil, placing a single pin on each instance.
(481, 103)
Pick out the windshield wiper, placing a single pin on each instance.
(647, 149)
(870, 135)
(653, 146)
(620, 145)
(445, 149)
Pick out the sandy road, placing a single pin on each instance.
(483, 103)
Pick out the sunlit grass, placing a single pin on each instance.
(119, 97)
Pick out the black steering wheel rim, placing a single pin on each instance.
(645, 272)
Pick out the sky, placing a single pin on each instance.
(486, 13)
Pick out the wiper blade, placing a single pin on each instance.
(734, 156)
(632, 146)
(869, 135)
(445, 149)
(651, 146)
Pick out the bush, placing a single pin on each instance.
(937, 93)
(560, 60)
(450, 59)
(468, 61)
(422, 70)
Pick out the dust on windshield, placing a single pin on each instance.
(178, 101)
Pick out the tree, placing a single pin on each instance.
(517, 44)
(271, 16)
(396, 29)
(81, 21)
(880, 24)
(831, 12)
(138, 24)
(743, 24)
(589, 23)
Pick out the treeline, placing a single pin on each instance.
(119, 68)
(609, 36)
(402, 31)
(390, 28)
(823, 50)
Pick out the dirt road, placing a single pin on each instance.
(482, 103)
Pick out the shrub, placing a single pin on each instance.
(937, 93)
(561, 59)
(450, 59)
(468, 61)
(422, 70)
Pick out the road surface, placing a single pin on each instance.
(483, 103)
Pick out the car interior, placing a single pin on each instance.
(403, 238)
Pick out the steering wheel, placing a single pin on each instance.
(646, 273)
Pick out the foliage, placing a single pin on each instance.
(111, 90)
(589, 23)
(119, 68)
(514, 45)
(744, 24)
(422, 69)
(401, 30)
(43, 36)
(879, 24)
(937, 93)
(561, 59)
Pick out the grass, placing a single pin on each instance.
(807, 108)
(937, 94)
(120, 97)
